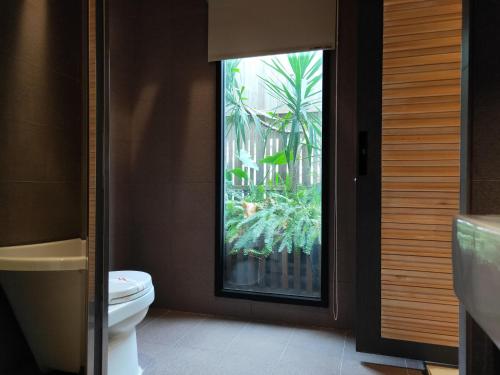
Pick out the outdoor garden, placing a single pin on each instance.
(273, 159)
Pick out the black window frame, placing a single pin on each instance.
(327, 165)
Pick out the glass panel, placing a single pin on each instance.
(272, 160)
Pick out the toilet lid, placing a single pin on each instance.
(127, 285)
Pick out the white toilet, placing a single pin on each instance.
(130, 294)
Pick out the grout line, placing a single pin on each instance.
(287, 344)
(188, 331)
(343, 354)
(285, 347)
(235, 337)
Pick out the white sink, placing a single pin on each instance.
(476, 269)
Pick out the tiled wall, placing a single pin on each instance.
(40, 136)
(166, 212)
(484, 109)
(40, 122)
(123, 74)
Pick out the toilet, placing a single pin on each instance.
(130, 295)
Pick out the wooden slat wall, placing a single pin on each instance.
(420, 168)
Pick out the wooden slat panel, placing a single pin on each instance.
(443, 58)
(420, 163)
(419, 123)
(421, 138)
(420, 100)
(420, 84)
(423, 20)
(424, 43)
(418, 194)
(428, 108)
(421, 146)
(420, 92)
(421, 52)
(412, 12)
(421, 171)
(416, 263)
(420, 168)
(417, 219)
(412, 311)
(427, 295)
(422, 186)
(392, 5)
(452, 23)
(418, 37)
(428, 131)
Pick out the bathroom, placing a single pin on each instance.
(405, 96)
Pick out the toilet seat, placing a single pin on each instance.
(125, 286)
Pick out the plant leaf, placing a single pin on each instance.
(238, 172)
(247, 160)
(276, 159)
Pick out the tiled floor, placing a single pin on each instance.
(187, 344)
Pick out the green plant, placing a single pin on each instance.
(239, 115)
(278, 215)
(296, 89)
(282, 220)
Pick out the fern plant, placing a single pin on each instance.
(283, 221)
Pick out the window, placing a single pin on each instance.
(272, 177)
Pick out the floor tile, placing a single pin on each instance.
(182, 360)
(307, 363)
(244, 364)
(213, 334)
(317, 341)
(169, 329)
(151, 315)
(188, 344)
(261, 342)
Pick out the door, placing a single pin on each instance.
(408, 182)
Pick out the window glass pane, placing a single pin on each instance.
(272, 174)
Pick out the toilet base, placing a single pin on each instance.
(122, 354)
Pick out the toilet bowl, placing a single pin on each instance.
(130, 294)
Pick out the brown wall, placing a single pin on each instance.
(481, 67)
(40, 137)
(123, 72)
(172, 149)
(40, 121)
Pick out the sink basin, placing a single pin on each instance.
(476, 270)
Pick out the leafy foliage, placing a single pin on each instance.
(298, 93)
(283, 221)
(279, 215)
(239, 115)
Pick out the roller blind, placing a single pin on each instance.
(244, 28)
